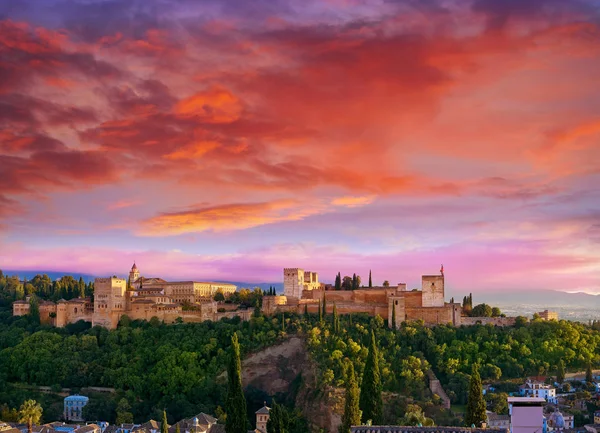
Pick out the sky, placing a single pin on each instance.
(228, 139)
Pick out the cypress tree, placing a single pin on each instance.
(370, 280)
(320, 312)
(324, 306)
(350, 320)
(475, 412)
(306, 311)
(354, 282)
(351, 409)
(393, 315)
(338, 282)
(560, 373)
(164, 426)
(283, 322)
(371, 402)
(336, 323)
(589, 377)
(278, 419)
(235, 404)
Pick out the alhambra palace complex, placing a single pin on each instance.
(191, 301)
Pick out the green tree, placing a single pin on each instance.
(34, 308)
(475, 411)
(164, 425)
(370, 280)
(482, 310)
(498, 402)
(371, 402)
(589, 377)
(354, 282)
(320, 311)
(336, 321)
(306, 311)
(81, 287)
(219, 295)
(393, 315)
(386, 283)
(124, 414)
(351, 406)
(338, 282)
(496, 312)
(236, 402)
(30, 413)
(414, 416)
(324, 306)
(278, 419)
(560, 372)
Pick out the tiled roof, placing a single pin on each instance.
(412, 429)
(263, 410)
(217, 428)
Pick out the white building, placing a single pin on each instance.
(533, 388)
(73, 407)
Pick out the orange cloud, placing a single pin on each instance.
(350, 201)
(227, 217)
(582, 130)
(194, 150)
(216, 105)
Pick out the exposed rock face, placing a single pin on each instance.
(275, 368)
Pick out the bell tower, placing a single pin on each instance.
(134, 274)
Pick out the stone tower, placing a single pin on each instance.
(293, 282)
(262, 417)
(134, 274)
(433, 289)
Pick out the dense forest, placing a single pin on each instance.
(176, 367)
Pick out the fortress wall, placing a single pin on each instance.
(46, 309)
(430, 315)
(497, 321)
(413, 299)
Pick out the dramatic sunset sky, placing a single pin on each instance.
(227, 139)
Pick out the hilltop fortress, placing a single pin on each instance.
(138, 297)
(143, 298)
(302, 290)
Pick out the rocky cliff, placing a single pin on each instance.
(286, 368)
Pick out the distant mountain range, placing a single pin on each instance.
(548, 298)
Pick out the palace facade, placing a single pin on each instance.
(137, 297)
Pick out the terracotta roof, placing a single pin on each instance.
(412, 429)
(88, 428)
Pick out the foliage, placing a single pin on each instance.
(414, 416)
(482, 310)
(219, 295)
(560, 372)
(352, 414)
(371, 402)
(278, 419)
(475, 411)
(589, 377)
(235, 407)
(30, 413)
(164, 425)
(497, 402)
(124, 414)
